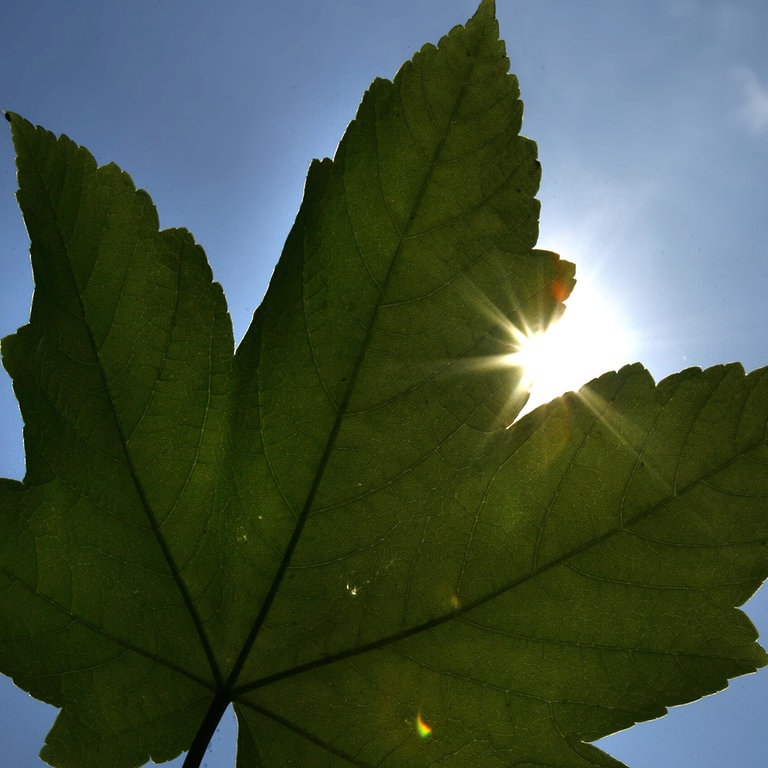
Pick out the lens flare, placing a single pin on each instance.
(422, 727)
(588, 340)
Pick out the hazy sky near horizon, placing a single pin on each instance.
(651, 118)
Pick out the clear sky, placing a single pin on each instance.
(651, 118)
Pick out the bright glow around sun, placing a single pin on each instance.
(587, 341)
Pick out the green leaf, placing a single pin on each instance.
(334, 527)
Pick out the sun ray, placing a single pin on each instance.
(588, 340)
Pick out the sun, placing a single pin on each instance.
(589, 339)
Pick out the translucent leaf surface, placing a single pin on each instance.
(334, 527)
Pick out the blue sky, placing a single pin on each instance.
(651, 118)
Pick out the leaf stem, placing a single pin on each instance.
(205, 732)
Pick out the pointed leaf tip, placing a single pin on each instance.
(486, 6)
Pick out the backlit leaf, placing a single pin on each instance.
(334, 526)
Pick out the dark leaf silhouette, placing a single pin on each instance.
(334, 527)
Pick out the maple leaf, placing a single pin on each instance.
(333, 527)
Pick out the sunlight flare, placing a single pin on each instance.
(422, 727)
(589, 339)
